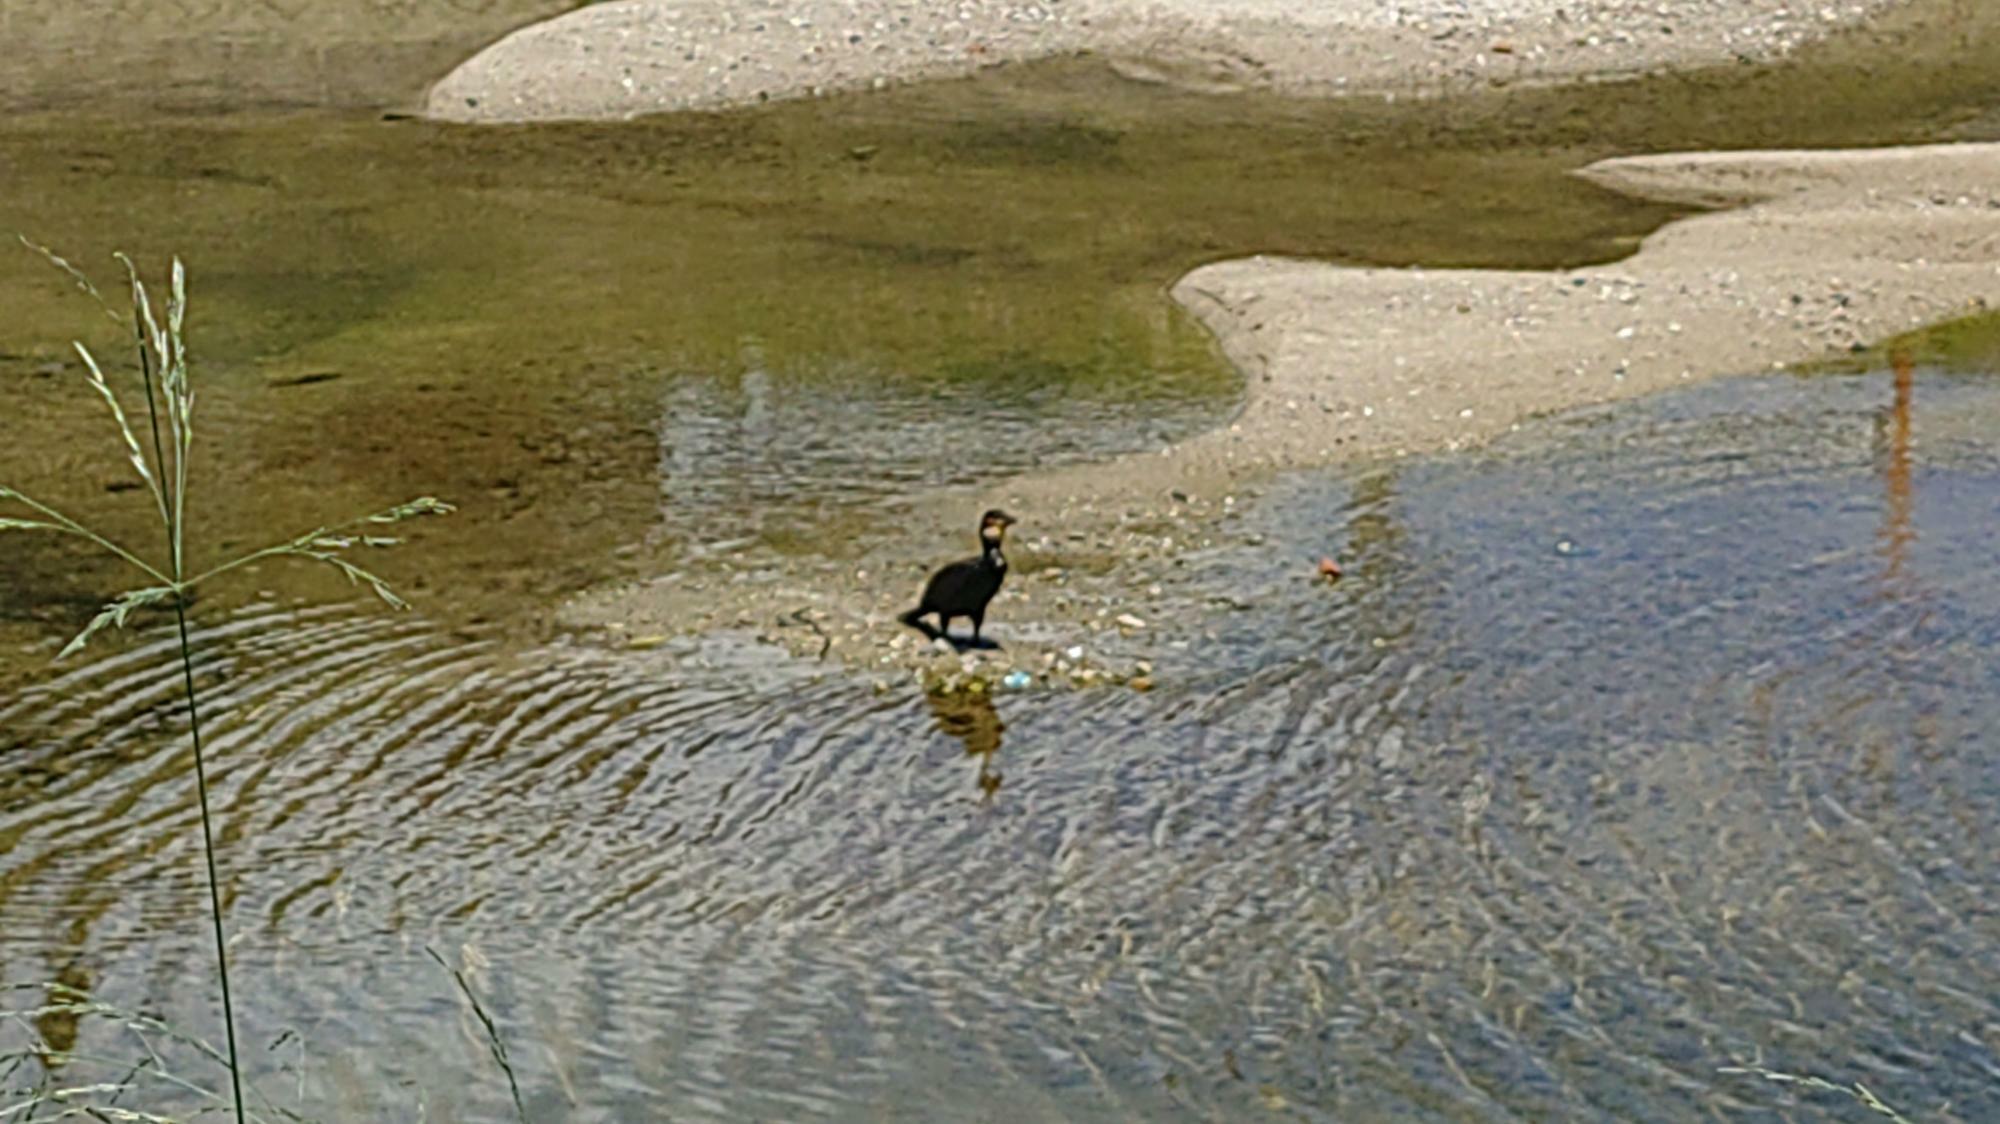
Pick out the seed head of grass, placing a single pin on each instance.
(160, 344)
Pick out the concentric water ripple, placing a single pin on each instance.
(1653, 742)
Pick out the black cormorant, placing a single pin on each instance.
(962, 589)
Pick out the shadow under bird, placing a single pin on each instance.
(962, 589)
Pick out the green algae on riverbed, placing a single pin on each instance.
(736, 326)
(1969, 344)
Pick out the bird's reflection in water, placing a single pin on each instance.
(972, 719)
(58, 1020)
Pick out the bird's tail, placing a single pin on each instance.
(914, 618)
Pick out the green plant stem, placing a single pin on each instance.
(493, 1040)
(289, 546)
(71, 526)
(170, 495)
(208, 853)
(267, 552)
(200, 764)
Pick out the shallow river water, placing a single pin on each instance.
(1653, 741)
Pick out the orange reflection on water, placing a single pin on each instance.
(1898, 528)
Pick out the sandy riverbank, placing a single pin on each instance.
(633, 57)
(1824, 251)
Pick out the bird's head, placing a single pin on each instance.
(993, 525)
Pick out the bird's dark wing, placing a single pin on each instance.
(947, 586)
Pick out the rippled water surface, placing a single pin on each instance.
(1657, 740)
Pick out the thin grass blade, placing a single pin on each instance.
(115, 614)
(174, 377)
(355, 575)
(494, 1043)
(143, 306)
(422, 505)
(76, 275)
(95, 377)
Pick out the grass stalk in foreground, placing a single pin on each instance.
(99, 1081)
(163, 371)
(1859, 1093)
(494, 1045)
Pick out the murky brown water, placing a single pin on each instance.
(1650, 742)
